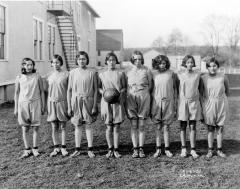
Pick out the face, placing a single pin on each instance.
(111, 62)
(190, 64)
(82, 61)
(56, 64)
(28, 65)
(212, 69)
(137, 60)
(162, 66)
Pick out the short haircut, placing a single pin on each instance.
(185, 59)
(137, 53)
(212, 59)
(59, 58)
(158, 60)
(84, 54)
(24, 60)
(113, 55)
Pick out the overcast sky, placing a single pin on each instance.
(142, 21)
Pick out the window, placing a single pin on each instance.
(2, 32)
(37, 39)
(99, 53)
(51, 41)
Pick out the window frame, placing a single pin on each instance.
(5, 36)
(38, 53)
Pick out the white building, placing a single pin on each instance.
(39, 29)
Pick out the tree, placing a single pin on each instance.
(157, 43)
(175, 39)
(213, 31)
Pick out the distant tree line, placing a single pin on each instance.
(221, 35)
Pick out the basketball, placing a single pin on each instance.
(111, 95)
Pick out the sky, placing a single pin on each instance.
(142, 21)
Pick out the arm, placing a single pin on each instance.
(42, 94)
(100, 89)
(16, 96)
(226, 84)
(177, 84)
(95, 97)
(150, 79)
(69, 95)
(123, 83)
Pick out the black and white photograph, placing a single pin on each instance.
(120, 94)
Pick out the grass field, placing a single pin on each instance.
(82, 172)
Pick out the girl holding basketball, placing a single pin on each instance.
(29, 104)
(163, 101)
(189, 108)
(82, 101)
(57, 104)
(138, 101)
(112, 114)
(214, 89)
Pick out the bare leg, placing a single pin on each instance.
(192, 134)
(35, 136)
(25, 132)
(78, 136)
(109, 136)
(55, 133)
(166, 135)
(89, 135)
(183, 125)
(116, 131)
(141, 133)
(63, 128)
(134, 136)
(219, 137)
(210, 136)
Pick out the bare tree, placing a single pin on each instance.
(232, 32)
(157, 43)
(213, 31)
(175, 39)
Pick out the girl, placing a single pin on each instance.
(82, 101)
(189, 109)
(138, 101)
(29, 104)
(163, 101)
(215, 89)
(112, 114)
(57, 104)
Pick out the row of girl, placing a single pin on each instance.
(160, 94)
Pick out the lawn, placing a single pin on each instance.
(82, 172)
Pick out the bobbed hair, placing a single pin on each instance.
(158, 60)
(84, 54)
(57, 57)
(24, 60)
(113, 55)
(185, 59)
(213, 59)
(137, 53)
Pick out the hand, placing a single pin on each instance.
(15, 113)
(94, 110)
(70, 112)
(42, 111)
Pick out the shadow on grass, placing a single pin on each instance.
(230, 147)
